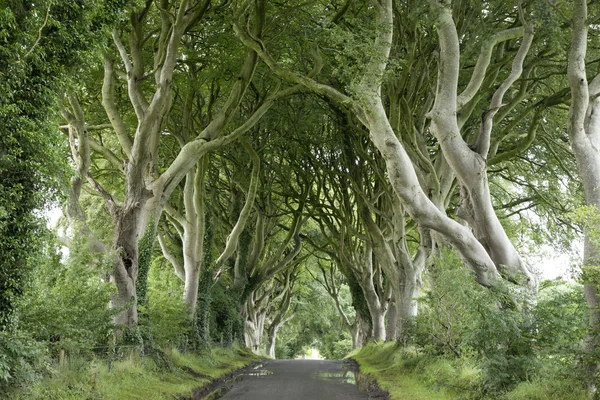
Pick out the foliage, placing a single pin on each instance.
(462, 318)
(22, 359)
(65, 309)
(561, 323)
(67, 306)
(407, 373)
(335, 345)
(40, 44)
(169, 321)
(548, 389)
(479, 342)
(386, 363)
(510, 338)
(226, 324)
(316, 323)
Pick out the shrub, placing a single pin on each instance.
(169, 320)
(459, 317)
(440, 373)
(22, 359)
(68, 304)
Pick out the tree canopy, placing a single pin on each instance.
(294, 174)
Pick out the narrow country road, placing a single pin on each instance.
(297, 380)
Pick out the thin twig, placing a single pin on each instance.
(39, 37)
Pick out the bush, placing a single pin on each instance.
(68, 305)
(493, 326)
(22, 360)
(490, 341)
(169, 320)
(440, 373)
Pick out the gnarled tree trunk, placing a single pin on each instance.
(584, 135)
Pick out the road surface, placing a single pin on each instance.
(297, 380)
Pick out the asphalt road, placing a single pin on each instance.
(297, 380)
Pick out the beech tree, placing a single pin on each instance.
(269, 251)
(280, 302)
(485, 250)
(149, 66)
(584, 135)
(332, 281)
(189, 224)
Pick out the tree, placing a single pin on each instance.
(189, 224)
(146, 187)
(280, 302)
(332, 282)
(38, 54)
(584, 135)
(366, 103)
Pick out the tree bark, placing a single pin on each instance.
(470, 165)
(254, 315)
(584, 135)
(376, 305)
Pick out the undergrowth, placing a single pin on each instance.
(135, 377)
(411, 375)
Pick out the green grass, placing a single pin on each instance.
(137, 378)
(386, 363)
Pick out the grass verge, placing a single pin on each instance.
(385, 363)
(137, 378)
(408, 375)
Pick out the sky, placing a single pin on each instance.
(551, 265)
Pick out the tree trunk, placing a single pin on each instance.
(355, 334)
(375, 305)
(254, 323)
(128, 231)
(271, 340)
(406, 185)
(584, 135)
(391, 318)
(193, 236)
(253, 330)
(470, 165)
(190, 290)
(378, 318)
(362, 331)
(407, 311)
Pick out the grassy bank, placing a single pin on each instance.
(136, 378)
(408, 375)
(387, 364)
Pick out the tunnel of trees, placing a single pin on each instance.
(286, 175)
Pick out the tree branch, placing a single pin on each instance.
(232, 239)
(108, 102)
(483, 142)
(177, 267)
(483, 63)
(39, 36)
